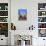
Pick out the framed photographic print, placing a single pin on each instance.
(22, 14)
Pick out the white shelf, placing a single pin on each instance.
(3, 10)
(41, 28)
(3, 22)
(41, 22)
(42, 16)
(41, 10)
(3, 16)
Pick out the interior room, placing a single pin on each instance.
(22, 22)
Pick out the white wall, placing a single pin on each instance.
(32, 8)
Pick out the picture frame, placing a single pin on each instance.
(22, 14)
